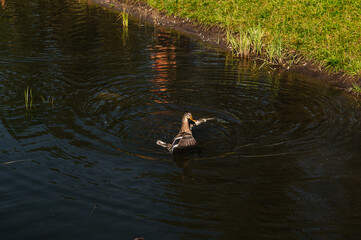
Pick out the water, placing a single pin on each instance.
(281, 162)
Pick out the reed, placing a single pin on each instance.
(247, 41)
(28, 95)
(241, 44)
(256, 37)
(244, 45)
(125, 19)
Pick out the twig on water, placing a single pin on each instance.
(15, 161)
(94, 207)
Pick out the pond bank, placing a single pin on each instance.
(218, 36)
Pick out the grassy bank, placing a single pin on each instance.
(325, 31)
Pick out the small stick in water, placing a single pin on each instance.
(94, 207)
(15, 161)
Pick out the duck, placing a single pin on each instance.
(184, 139)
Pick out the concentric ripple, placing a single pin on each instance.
(253, 115)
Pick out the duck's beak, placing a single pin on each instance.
(190, 118)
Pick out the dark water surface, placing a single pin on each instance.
(282, 161)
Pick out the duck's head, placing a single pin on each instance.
(187, 116)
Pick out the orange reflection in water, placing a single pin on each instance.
(2, 3)
(164, 63)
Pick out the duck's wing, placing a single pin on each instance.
(200, 121)
(184, 140)
(163, 144)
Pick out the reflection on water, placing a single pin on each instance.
(164, 63)
(281, 161)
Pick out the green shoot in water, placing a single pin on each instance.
(28, 94)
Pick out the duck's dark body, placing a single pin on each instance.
(184, 141)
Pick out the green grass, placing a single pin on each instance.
(325, 31)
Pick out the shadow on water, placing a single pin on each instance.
(183, 161)
(281, 161)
